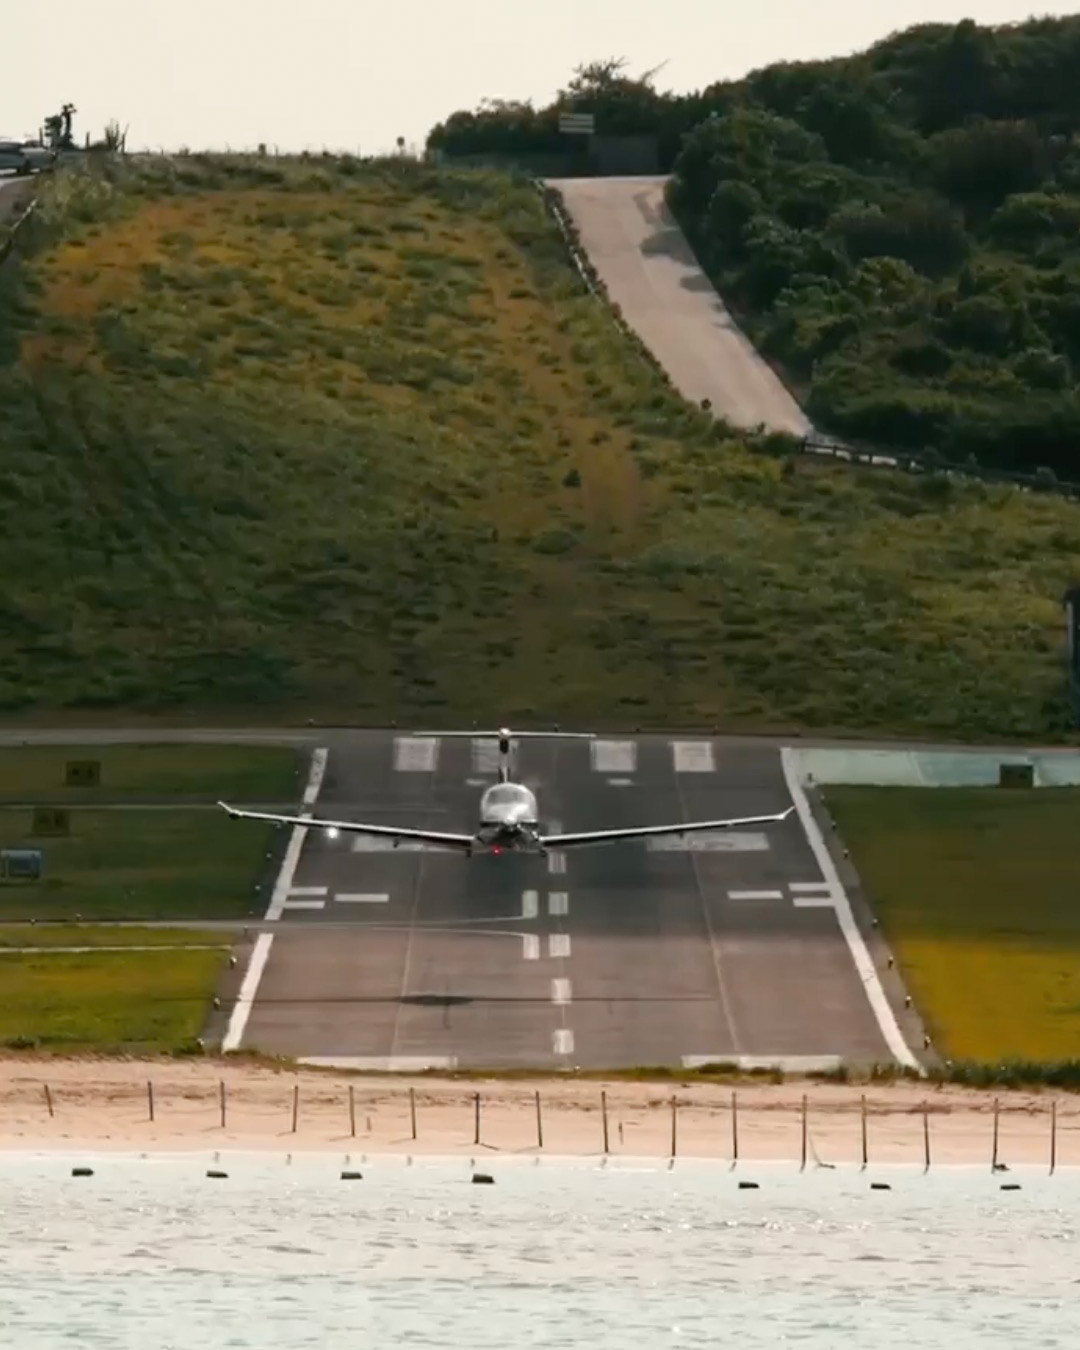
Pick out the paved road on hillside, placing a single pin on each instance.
(728, 946)
(651, 273)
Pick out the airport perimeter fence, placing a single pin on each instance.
(336, 1118)
(929, 462)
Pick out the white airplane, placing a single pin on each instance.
(509, 819)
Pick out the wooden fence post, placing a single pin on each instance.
(865, 1154)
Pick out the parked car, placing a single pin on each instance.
(24, 156)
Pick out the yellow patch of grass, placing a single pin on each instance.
(976, 891)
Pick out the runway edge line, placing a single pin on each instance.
(864, 964)
(253, 975)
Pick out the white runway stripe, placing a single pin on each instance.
(559, 945)
(693, 756)
(416, 754)
(783, 1063)
(613, 756)
(304, 904)
(813, 902)
(234, 1033)
(799, 886)
(560, 991)
(382, 1063)
(530, 904)
(861, 957)
(755, 895)
(530, 947)
(308, 890)
(361, 898)
(722, 841)
(558, 902)
(562, 1041)
(556, 862)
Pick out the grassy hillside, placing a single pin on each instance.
(341, 440)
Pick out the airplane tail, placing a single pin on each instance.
(505, 737)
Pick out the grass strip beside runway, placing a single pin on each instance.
(37, 773)
(976, 890)
(135, 1002)
(16, 936)
(160, 865)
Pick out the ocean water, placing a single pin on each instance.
(151, 1253)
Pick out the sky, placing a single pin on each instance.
(357, 74)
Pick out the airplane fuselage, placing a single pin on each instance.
(508, 819)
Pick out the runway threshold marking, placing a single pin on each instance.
(530, 904)
(530, 946)
(560, 991)
(253, 975)
(304, 904)
(693, 756)
(799, 887)
(558, 902)
(308, 890)
(416, 754)
(559, 945)
(556, 862)
(613, 756)
(562, 1041)
(755, 895)
(361, 898)
(864, 964)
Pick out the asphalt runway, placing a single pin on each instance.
(667, 952)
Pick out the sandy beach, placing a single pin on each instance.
(166, 1105)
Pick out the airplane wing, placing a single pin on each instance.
(641, 831)
(460, 841)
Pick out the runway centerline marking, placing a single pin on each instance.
(613, 756)
(530, 947)
(361, 898)
(249, 987)
(530, 904)
(560, 991)
(416, 754)
(755, 895)
(558, 902)
(562, 1041)
(693, 756)
(559, 945)
(864, 964)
